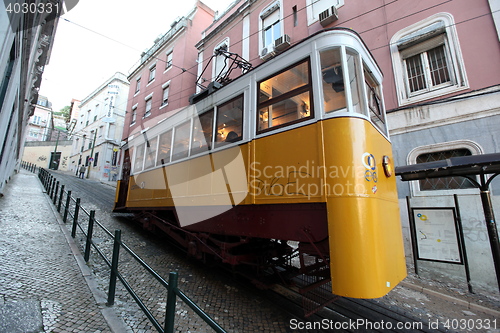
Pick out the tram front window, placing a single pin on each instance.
(285, 98)
(354, 71)
(333, 80)
(374, 101)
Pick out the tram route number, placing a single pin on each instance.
(465, 324)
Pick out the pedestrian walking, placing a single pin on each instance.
(82, 171)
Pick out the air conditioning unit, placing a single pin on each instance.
(328, 16)
(282, 43)
(267, 52)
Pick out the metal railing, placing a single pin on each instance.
(72, 208)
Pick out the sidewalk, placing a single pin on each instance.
(45, 285)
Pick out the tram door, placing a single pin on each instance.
(124, 182)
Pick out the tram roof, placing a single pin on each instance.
(214, 86)
(454, 166)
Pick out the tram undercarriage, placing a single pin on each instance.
(301, 266)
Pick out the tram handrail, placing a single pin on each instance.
(52, 188)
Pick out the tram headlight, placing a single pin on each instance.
(386, 163)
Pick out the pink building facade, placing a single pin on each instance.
(382, 26)
(166, 74)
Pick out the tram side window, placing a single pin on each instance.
(151, 147)
(286, 97)
(374, 102)
(164, 148)
(202, 132)
(229, 122)
(333, 80)
(181, 141)
(139, 158)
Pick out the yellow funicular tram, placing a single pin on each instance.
(292, 159)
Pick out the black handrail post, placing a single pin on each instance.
(60, 199)
(54, 182)
(66, 207)
(49, 185)
(89, 236)
(114, 267)
(170, 311)
(75, 217)
(54, 198)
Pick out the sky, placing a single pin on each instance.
(103, 37)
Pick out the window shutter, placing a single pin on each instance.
(423, 46)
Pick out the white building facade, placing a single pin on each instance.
(40, 125)
(98, 129)
(25, 47)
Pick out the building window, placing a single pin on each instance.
(271, 24)
(134, 115)
(220, 61)
(447, 183)
(438, 152)
(166, 91)
(137, 85)
(149, 105)
(83, 143)
(427, 70)
(169, 60)
(316, 7)
(427, 60)
(152, 73)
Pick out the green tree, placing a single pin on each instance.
(65, 111)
